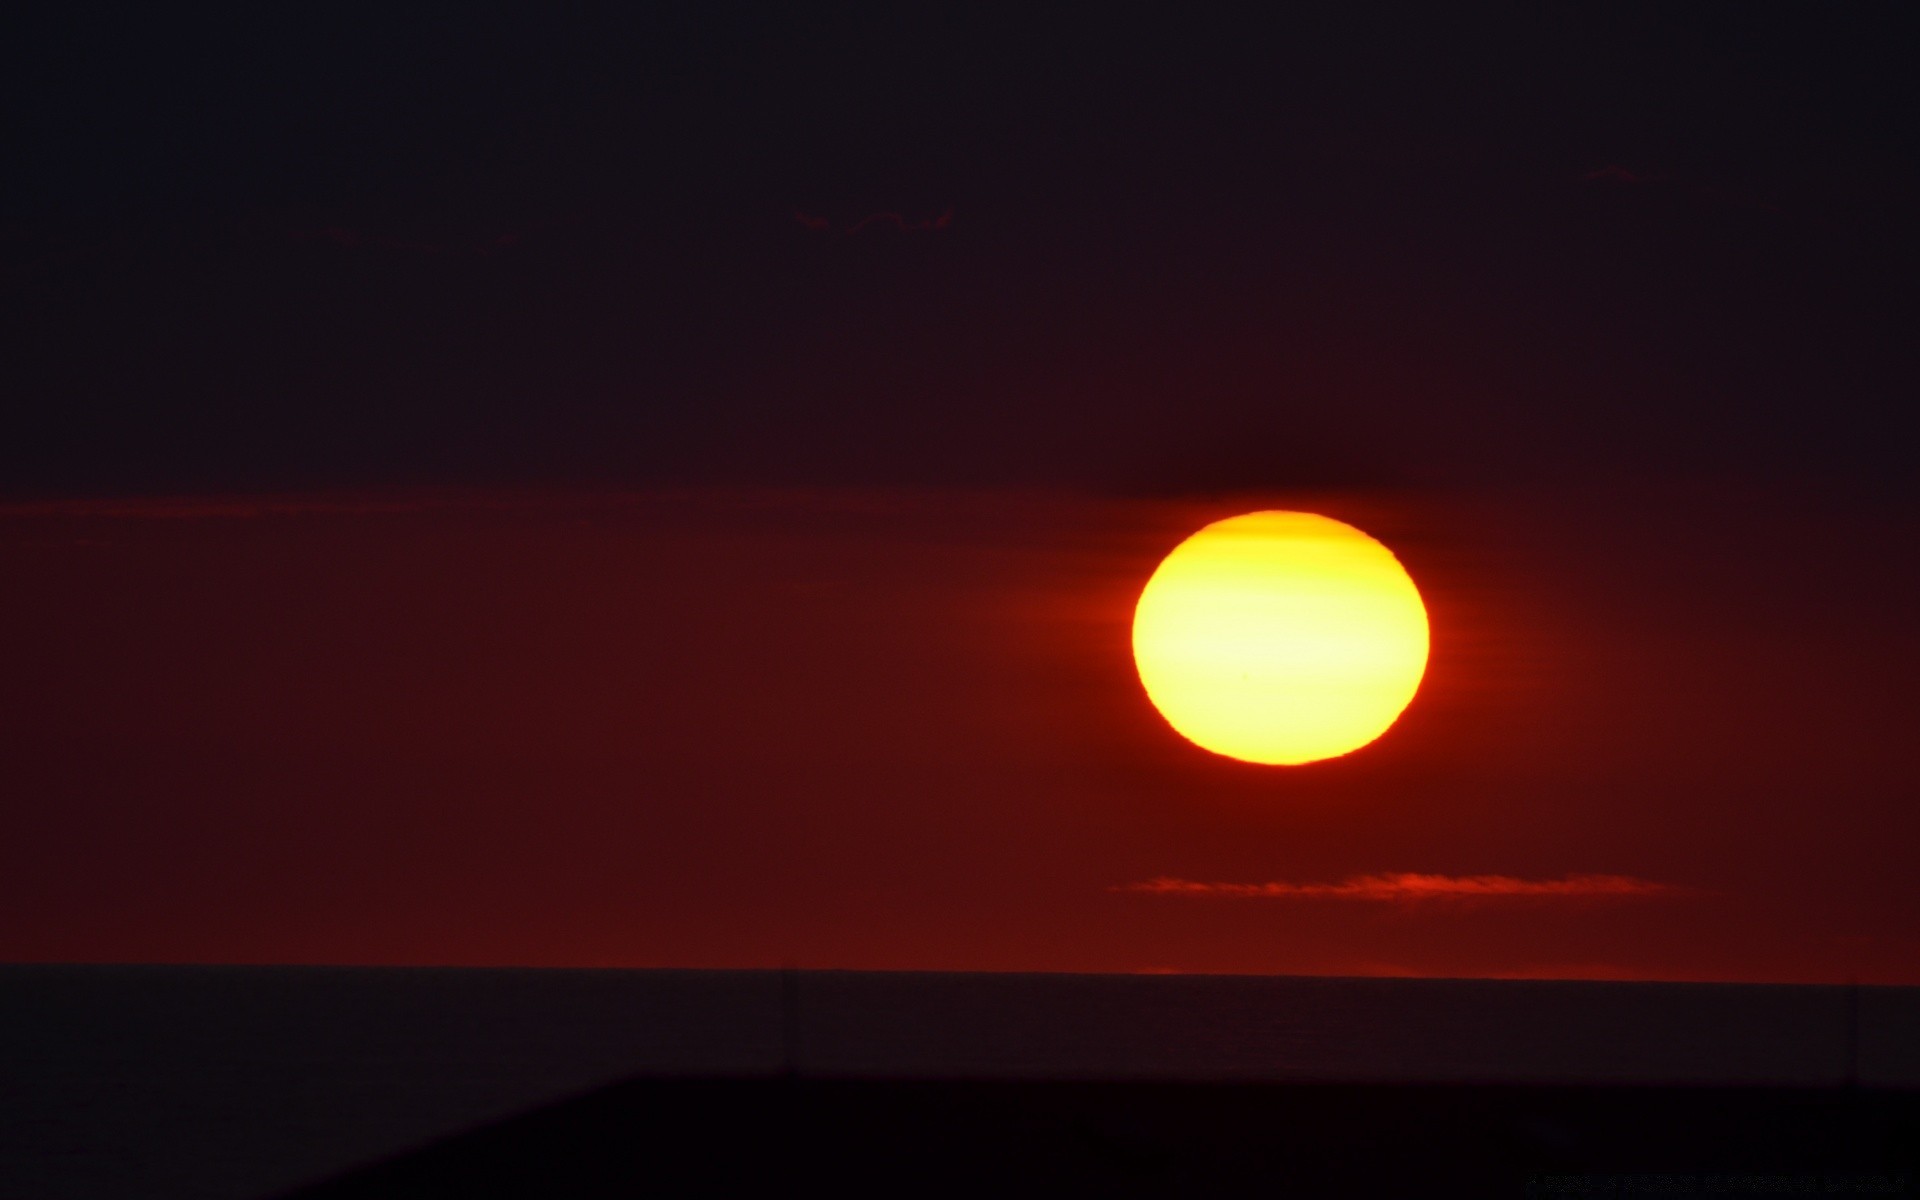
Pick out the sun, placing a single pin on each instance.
(1280, 638)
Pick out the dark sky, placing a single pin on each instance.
(667, 485)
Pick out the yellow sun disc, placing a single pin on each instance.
(1280, 637)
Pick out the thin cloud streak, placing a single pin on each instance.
(870, 500)
(1411, 887)
(202, 508)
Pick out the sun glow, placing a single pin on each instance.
(1280, 638)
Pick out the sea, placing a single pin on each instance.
(223, 1082)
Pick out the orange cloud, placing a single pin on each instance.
(1408, 886)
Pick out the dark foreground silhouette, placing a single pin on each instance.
(759, 1136)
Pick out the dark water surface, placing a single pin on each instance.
(1306, 1141)
(223, 1082)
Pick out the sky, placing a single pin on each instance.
(669, 488)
